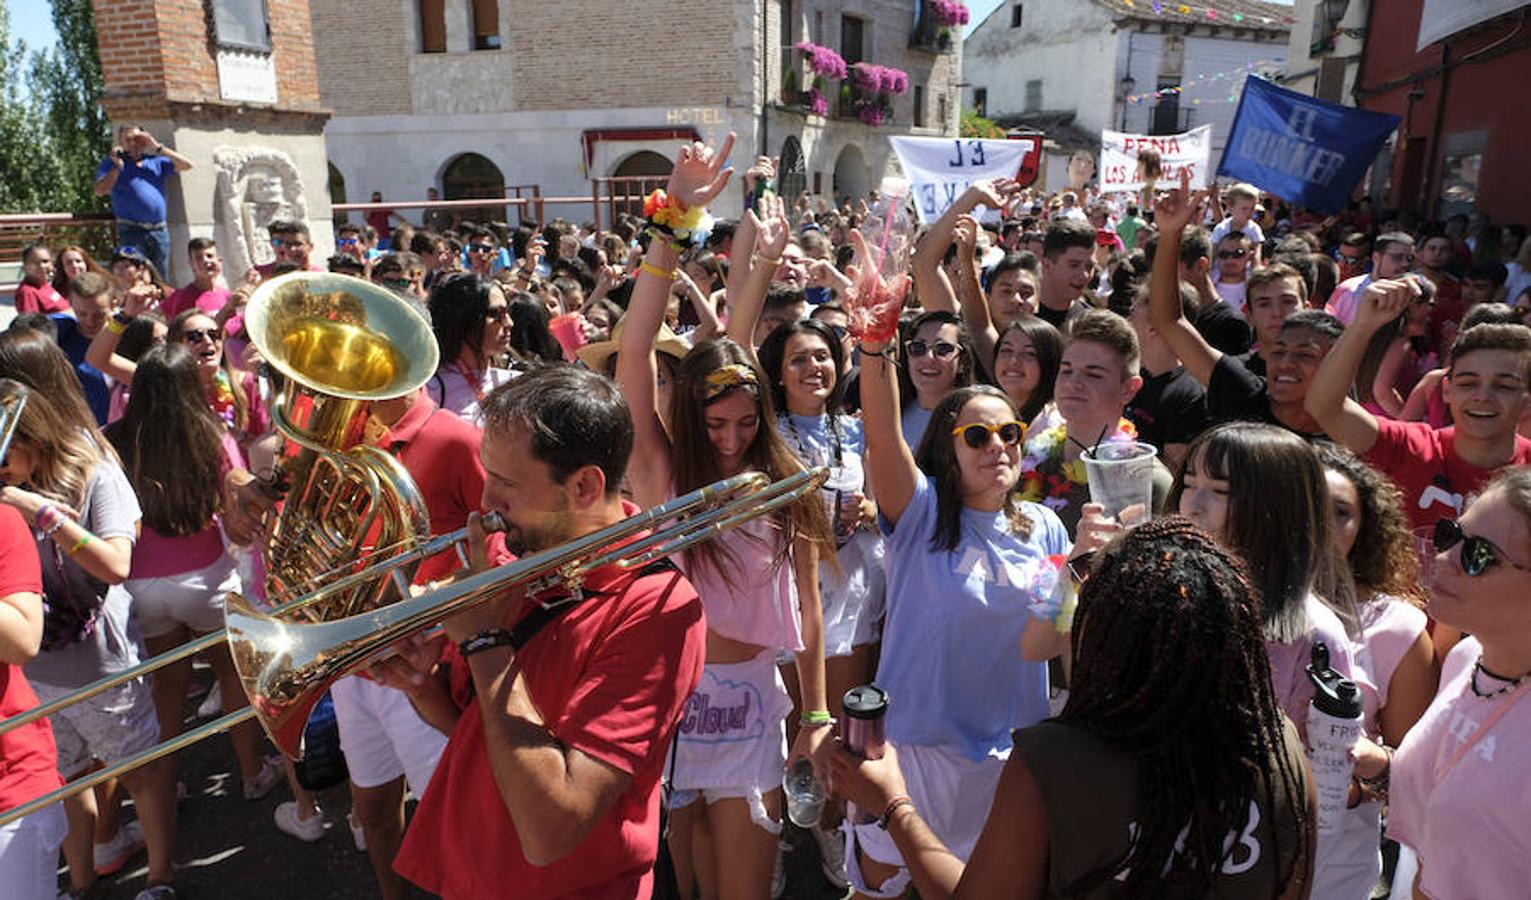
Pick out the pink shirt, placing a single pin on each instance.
(1289, 662)
(1461, 786)
(159, 555)
(1389, 627)
(1347, 298)
(191, 296)
(754, 598)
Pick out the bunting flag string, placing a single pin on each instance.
(1211, 14)
(1257, 66)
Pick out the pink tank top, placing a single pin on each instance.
(1389, 627)
(754, 598)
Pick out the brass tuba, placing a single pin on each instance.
(339, 344)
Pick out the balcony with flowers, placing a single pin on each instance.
(811, 91)
(937, 25)
(868, 93)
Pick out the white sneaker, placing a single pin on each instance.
(779, 874)
(831, 843)
(358, 834)
(306, 830)
(212, 704)
(270, 775)
(111, 856)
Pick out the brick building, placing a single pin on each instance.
(216, 77)
(476, 96)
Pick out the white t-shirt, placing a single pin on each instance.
(1250, 230)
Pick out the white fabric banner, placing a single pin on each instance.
(940, 169)
(1119, 158)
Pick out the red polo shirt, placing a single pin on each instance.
(610, 676)
(39, 298)
(1423, 463)
(28, 759)
(440, 452)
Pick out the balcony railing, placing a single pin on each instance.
(928, 33)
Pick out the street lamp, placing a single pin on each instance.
(1128, 84)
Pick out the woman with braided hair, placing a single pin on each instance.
(1170, 772)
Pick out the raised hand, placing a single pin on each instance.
(700, 174)
(872, 303)
(772, 227)
(1176, 207)
(965, 236)
(1383, 301)
(995, 193)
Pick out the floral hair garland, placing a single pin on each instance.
(222, 399)
(684, 225)
(1047, 446)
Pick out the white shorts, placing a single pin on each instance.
(110, 726)
(732, 741)
(382, 736)
(854, 600)
(193, 599)
(953, 795)
(29, 854)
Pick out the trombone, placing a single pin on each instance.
(286, 666)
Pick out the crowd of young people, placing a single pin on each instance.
(1079, 704)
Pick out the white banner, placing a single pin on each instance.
(1440, 19)
(1119, 157)
(941, 169)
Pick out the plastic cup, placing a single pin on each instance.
(1121, 475)
(805, 796)
(1424, 547)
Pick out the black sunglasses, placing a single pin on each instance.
(942, 349)
(198, 335)
(1232, 254)
(978, 434)
(481, 248)
(1478, 554)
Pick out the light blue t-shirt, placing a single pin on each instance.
(951, 648)
(913, 423)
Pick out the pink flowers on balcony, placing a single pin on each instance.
(873, 79)
(949, 13)
(823, 61)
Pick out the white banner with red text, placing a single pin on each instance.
(1119, 158)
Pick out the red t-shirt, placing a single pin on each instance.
(1434, 480)
(28, 758)
(193, 297)
(440, 452)
(610, 677)
(43, 298)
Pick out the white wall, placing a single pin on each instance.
(1061, 42)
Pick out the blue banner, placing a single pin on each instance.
(1302, 149)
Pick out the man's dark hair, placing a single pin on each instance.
(1195, 244)
(35, 322)
(483, 234)
(87, 285)
(396, 264)
(1066, 234)
(1357, 239)
(1315, 320)
(345, 263)
(1011, 262)
(198, 244)
(349, 228)
(29, 249)
(424, 242)
(575, 418)
(1488, 270)
(1384, 241)
(282, 226)
(1304, 265)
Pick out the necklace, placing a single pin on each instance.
(832, 426)
(1506, 684)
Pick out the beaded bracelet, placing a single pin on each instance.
(893, 806)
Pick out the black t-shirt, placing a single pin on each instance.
(1053, 317)
(1171, 408)
(1254, 362)
(1225, 328)
(1236, 394)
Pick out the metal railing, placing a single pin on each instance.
(93, 231)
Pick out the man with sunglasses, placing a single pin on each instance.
(1392, 255)
(1485, 388)
(291, 244)
(1233, 259)
(482, 253)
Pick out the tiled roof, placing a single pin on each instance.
(1254, 14)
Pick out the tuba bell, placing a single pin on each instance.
(339, 344)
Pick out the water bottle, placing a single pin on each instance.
(862, 731)
(1334, 725)
(804, 794)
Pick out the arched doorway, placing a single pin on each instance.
(470, 176)
(791, 178)
(851, 178)
(338, 193)
(634, 178)
(644, 163)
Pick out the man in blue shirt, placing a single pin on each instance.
(90, 301)
(134, 175)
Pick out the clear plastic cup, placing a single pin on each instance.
(1121, 475)
(1424, 547)
(805, 796)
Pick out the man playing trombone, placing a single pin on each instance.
(559, 714)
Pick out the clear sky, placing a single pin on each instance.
(32, 21)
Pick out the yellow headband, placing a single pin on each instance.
(721, 381)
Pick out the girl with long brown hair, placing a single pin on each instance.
(759, 584)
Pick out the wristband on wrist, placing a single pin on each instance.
(487, 639)
(47, 516)
(885, 353)
(773, 263)
(893, 807)
(650, 268)
(80, 544)
(667, 239)
(816, 718)
(115, 325)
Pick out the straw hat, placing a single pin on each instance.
(596, 356)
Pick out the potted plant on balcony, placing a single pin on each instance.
(870, 92)
(826, 66)
(948, 14)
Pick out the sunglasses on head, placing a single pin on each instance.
(1232, 254)
(198, 335)
(480, 248)
(920, 347)
(1478, 554)
(978, 434)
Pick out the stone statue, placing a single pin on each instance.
(256, 186)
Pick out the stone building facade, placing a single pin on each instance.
(474, 97)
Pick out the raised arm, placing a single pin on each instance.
(975, 306)
(1328, 399)
(771, 229)
(697, 178)
(874, 307)
(1172, 213)
(935, 288)
(102, 350)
